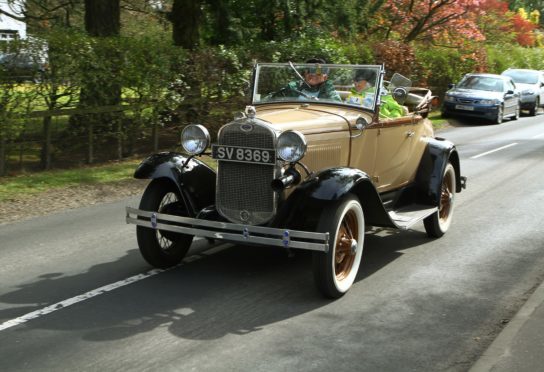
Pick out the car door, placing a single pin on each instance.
(510, 97)
(395, 141)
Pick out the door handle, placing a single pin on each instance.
(410, 133)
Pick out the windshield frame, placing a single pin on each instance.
(256, 99)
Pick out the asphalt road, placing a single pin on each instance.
(75, 294)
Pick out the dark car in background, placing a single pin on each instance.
(487, 96)
(531, 86)
(21, 67)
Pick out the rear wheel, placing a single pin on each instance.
(439, 222)
(335, 270)
(162, 249)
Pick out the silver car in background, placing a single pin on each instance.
(530, 84)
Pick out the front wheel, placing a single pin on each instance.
(500, 115)
(335, 270)
(162, 249)
(439, 222)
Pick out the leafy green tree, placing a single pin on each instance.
(59, 84)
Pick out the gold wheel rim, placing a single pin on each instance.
(446, 196)
(344, 256)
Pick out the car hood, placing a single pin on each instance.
(309, 118)
(473, 93)
(523, 87)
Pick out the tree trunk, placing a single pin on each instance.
(46, 147)
(90, 143)
(2, 156)
(186, 16)
(119, 140)
(155, 135)
(102, 17)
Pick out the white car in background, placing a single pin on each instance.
(531, 86)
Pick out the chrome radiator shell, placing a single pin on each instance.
(243, 191)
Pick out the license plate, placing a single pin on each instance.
(463, 107)
(244, 154)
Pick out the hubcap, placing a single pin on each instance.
(346, 245)
(446, 196)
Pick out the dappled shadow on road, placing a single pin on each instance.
(469, 122)
(239, 290)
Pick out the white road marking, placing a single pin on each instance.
(538, 135)
(74, 300)
(492, 151)
(104, 289)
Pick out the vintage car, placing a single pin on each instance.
(302, 172)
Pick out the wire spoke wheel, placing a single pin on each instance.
(160, 248)
(439, 222)
(345, 256)
(335, 270)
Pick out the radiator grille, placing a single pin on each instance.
(243, 191)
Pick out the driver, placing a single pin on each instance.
(315, 83)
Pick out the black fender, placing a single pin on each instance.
(195, 181)
(307, 202)
(436, 156)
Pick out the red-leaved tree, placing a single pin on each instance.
(524, 31)
(431, 20)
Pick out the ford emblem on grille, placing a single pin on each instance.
(244, 215)
(246, 127)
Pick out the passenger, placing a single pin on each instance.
(364, 93)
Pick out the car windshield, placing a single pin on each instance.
(353, 85)
(488, 83)
(523, 77)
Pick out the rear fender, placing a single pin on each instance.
(195, 181)
(431, 168)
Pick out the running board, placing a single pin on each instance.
(408, 216)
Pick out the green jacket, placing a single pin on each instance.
(389, 108)
(322, 91)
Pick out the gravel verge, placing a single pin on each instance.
(55, 200)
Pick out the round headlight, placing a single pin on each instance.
(195, 138)
(291, 146)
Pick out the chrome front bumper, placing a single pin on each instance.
(230, 231)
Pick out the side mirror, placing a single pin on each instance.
(451, 86)
(509, 91)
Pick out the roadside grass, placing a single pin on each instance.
(22, 185)
(436, 118)
(34, 183)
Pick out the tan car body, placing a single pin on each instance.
(388, 150)
(303, 171)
